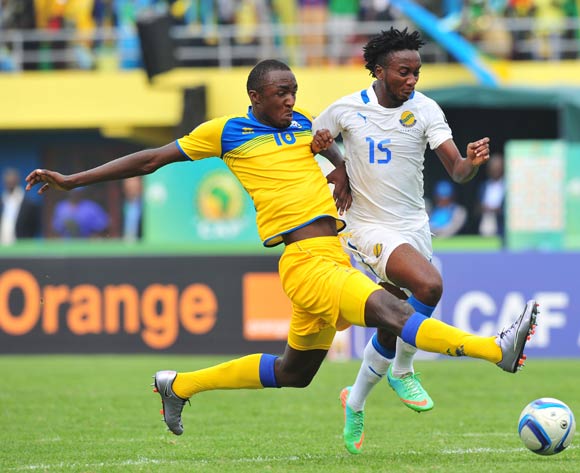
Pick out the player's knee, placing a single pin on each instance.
(430, 291)
(291, 378)
(383, 310)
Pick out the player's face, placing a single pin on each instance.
(273, 103)
(398, 77)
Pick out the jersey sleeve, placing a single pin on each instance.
(438, 130)
(204, 141)
(330, 119)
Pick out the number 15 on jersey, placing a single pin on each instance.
(378, 152)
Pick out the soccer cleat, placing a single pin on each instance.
(513, 339)
(172, 404)
(411, 393)
(353, 432)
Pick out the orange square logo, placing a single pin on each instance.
(266, 308)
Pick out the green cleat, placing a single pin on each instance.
(353, 432)
(410, 391)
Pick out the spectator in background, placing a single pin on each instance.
(19, 216)
(481, 27)
(447, 217)
(491, 199)
(285, 13)
(249, 14)
(16, 15)
(132, 209)
(342, 23)
(550, 27)
(520, 9)
(79, 217)
(313, 15)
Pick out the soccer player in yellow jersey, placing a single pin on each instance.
(271, 151)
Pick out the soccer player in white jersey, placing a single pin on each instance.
(385, 130)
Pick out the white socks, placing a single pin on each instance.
(403, 361)
(374, 366)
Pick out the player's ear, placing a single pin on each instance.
(379, 71)
(255, 97)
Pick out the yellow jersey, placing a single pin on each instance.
(275, 166)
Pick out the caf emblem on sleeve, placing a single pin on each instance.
(377, 249)
(407, 119)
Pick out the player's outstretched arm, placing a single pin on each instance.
(135, 164)
(462, 169)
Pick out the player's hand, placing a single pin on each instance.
(342, 195)
(48, 179)
(321, 141)
(478, 152)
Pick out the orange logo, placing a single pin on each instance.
(266, 308)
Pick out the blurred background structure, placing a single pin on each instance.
(84, 81)
(102, 34)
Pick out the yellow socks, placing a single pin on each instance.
(435, 336)
(250, 372)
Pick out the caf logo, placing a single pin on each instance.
(219, 197)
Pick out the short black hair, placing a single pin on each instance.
(257, 74)
(379, 47)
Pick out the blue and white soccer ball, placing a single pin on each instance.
(546, 426)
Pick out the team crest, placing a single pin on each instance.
(407, 119)
(377, 249)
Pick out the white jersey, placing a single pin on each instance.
(384, 154)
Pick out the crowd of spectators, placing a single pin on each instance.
(532, 30)
(327, 28)
(79, 214)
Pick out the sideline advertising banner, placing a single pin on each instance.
(125, 305)
(198, 202)
(483, 293)
(229, 304)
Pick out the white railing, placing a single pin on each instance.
(37, 49)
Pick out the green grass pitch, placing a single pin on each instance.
(99, 414)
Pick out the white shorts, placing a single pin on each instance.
(372, 245)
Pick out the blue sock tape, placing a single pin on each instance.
(411, 327)
(420, 307)
(390, 354)
(267, 374)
